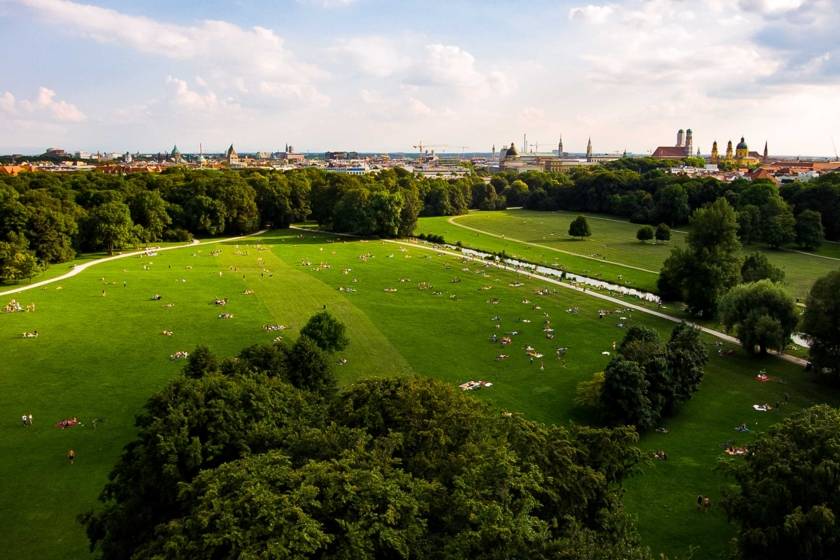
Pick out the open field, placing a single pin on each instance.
(542, 237)
(102, 356)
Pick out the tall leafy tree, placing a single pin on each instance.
(663, 233)
(112, 225)
(710, 264)
(809, 230)
(762, 314)
(148, 210)
(821, 322)
(778, 223)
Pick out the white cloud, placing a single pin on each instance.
(230, 57)
(591, 14)
(44, 106)
(194, 100)
(373, 55)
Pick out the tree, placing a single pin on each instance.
(710, 264)
(749, 224)
(405, 468)
(762, 314)
(148, 210)
(310, 369)
(624, 397)
(190, 426)
(821, 322)
(264, 507)
(786, 503)
(778, 223)
(17, 262)
(112, 225)
(756, 267)
(201, 362)
(579, 227)
(672, 205)
(326, 331)
(686, 356)
(809, 230)
(663, 233)
(645, 233)
(647, 381)
(588, 393)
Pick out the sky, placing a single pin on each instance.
(387, 75)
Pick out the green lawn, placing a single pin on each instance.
(103, 356)
(612, 240)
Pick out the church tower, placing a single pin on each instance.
(742, 151)
(589, 150)
(729, 153)
(680, 134)
(715, 156)
(231, 156)
(689, 142)
(766, 155)
(560, 147)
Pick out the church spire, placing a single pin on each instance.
(589, 149)
(766, 156)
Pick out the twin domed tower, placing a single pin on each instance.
(741, 156)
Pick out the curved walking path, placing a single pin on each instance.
(81, 267)
(455, 223)
(712, 332)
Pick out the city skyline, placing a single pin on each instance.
(375, 77)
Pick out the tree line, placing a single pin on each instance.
(48, 218)
(642, 191)
(263, 456)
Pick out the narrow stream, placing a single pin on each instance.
(575, 279)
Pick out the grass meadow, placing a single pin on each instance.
(612, 252)
(101, 356)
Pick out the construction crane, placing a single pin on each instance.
(462, 149)
(535, 146)
(423, 148)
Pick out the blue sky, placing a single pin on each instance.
(376, 75)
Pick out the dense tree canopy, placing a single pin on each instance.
(233, 461)
(762, 314)
(787, 503)
(648, 381)
(757, 267)
(809, 229)
(821, 322)
(709, 265)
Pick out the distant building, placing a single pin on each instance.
(683, 149)
(341, 155)
(232, 157)
(740, 157)
(175, 155)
